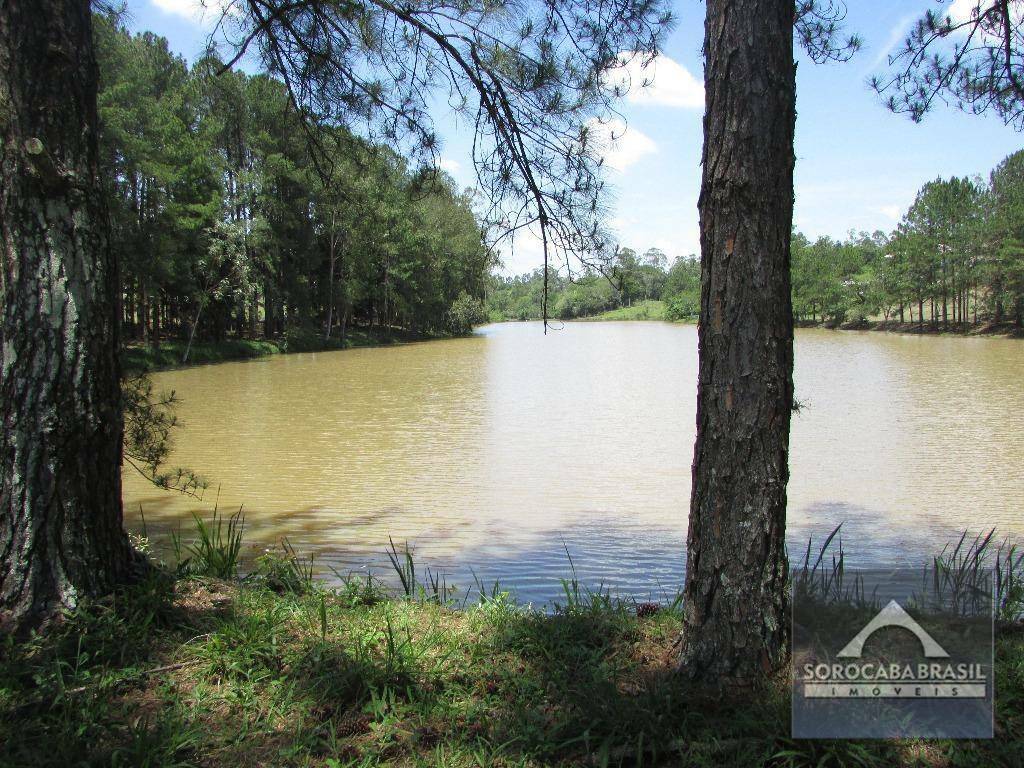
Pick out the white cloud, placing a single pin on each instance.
(666, 245)
(894, 212)
(524, 252)
(199, 11)
(619, 145)
(450, 165)
(189, 9)
(962, 10)
(896, 36)
(662, 82)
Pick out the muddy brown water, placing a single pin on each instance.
(495, 455)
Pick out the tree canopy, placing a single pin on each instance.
(224, 226)
(969, 53)
(536, 82)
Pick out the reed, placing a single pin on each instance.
(216, 549)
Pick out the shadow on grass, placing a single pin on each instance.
(247, 676)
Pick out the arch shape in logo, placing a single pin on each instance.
(893, 615)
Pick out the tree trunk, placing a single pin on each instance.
(735, 622)
(192, 332)
(155, 337)
(143, 312)
(268, 311)
(332, 257)
(61, 536)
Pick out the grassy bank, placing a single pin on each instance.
(275, 670)
(1010, 330)
(650, 309)
(168, 354)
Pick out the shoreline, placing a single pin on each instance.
(982, 329)
(1007, 330)
(362, 674)
(166, 356)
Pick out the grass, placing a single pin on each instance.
(276, 670)
(168, 354)
(139, 358)
(983, 327)
(650, 309)
(217, 548)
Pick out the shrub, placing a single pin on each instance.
(465, 312)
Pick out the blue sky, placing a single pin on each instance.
(858, 165)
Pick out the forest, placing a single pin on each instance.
(955, 259)
(285, 187)
(225, 225)
(627, 278)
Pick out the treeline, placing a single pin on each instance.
(227, 225)
(625, 279)
(956, 259)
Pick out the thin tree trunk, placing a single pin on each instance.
(192, 333)
(332, 257)
(143, 312)
(735, 623)
(61, 536)
(157, 303)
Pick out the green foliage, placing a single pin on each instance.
(1009, 572)
(967, 56)
(148, 424)
(628, 287)
(682, 290)
(228, 226)
(955, 259)
(648, 309)
(403, 563)
(465, 312)
(205, 672)
(167, 354)
(301, 338)
(217, 548)
(835, 282)
(284, 571)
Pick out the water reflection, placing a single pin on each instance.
(495, 454)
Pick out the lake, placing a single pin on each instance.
(501, 455)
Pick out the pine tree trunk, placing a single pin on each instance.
(736, 626)
(61, 536)
(331, 258)
(157, 304)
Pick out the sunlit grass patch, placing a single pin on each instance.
(250, 673)
(649, 309)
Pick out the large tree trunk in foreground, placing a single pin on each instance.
(736, 627)
(61, 536)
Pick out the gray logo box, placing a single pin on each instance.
(892, 653)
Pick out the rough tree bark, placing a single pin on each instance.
(735, 620)
(61, 535)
